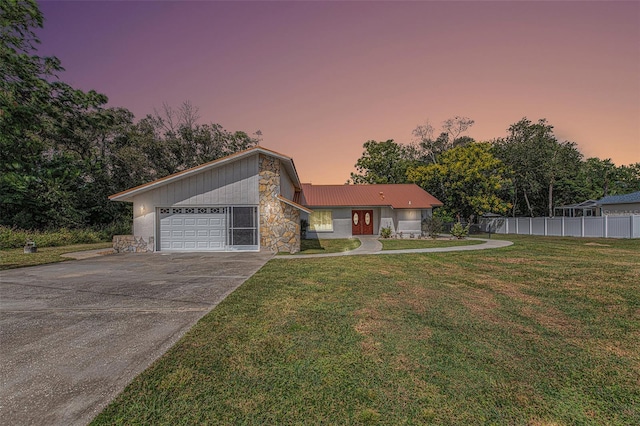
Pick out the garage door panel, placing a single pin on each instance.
(198, 229)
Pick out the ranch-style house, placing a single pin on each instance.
(253, 200)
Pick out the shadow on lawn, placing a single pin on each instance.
(311, 244)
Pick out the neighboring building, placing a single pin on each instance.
(627, 204)
(585, 208)
(341, 211)
(254, 200)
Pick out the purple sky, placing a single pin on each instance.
(321, 78)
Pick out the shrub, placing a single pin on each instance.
(123, 227)
(16, 238)
(385, 232)
(460, 231)
(432, 226)
(12, 238)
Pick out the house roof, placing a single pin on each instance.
(398, 196)
(634, 197)
(287, 162)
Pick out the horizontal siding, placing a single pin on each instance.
(621, 209)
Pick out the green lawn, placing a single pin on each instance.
(404, 243)
(16, 258)
(545, 332)
(315, 246)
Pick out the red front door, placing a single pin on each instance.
(362, 222)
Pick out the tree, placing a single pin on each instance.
(180, 142)
(426, 149)
(539, 163)
(468, 179)
(628, 179)
(595, 179)
(563, 164)
(382, 162)
(455, 126)
(64, 152)
(34, 107)
(599, 178)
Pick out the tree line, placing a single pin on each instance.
(528, 172)
(64, 151)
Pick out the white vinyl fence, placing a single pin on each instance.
(590, 226)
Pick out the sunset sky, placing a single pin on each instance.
(321, 78)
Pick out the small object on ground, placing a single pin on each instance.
(30, 247)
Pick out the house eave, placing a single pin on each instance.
(294, 204)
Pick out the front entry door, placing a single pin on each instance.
(362, 222)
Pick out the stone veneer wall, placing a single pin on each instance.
(132, 244)
(279, 222)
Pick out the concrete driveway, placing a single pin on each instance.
(74, 334)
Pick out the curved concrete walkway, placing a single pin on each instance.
(371, 245)
(88, 254)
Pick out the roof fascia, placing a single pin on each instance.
(294, 204)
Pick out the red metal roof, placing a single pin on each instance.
(398, 196)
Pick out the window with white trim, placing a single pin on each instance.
(321, 221)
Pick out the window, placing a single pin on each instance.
(321, 220)
(244, 226)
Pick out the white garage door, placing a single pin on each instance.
(193, 228)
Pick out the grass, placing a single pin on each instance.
(316, 246)
(404, 243)
(16, 238)
(16, 258)
(544, 332)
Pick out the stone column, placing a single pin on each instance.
(279, 222)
